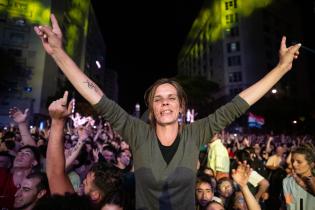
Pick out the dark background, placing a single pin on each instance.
(143, 39)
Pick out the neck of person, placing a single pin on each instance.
(167, 133)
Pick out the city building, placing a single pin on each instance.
(234, 43)
(32, 78)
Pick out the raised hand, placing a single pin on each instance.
(287, 54)
(58, 110)
(84, 132)
(51, 36)
(95, 154)
(17, 115)
(299, 180)
(241, 174)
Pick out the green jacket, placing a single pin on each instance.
(158, 185)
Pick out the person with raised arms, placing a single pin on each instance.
(165, 152)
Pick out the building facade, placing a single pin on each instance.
(234, 43)
(32, 77)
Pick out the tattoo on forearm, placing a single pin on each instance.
(77, 146)
(91, 85)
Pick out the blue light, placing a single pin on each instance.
(28, 89)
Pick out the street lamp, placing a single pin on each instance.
(274, 91)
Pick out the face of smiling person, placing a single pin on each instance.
(166, 105)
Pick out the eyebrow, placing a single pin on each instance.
(203, 189)
(26, 151)
(160, 96)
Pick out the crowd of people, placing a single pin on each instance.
(118, 161)
(94, 162)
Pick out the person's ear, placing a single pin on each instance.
(34, 163)
(95, 195)
(41, 193)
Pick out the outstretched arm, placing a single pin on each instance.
(241, 176)
(51, 38)
(20, 118)
(83, 135)
(268, 147)
(252, 94)
(59, 182)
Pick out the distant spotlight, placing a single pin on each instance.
(294, 122)
(28, 89)
(41, 125)
(137, 107)
(274, 91)
(98, 64)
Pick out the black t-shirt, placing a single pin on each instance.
(168, 152)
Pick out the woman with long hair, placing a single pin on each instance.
(299, 186)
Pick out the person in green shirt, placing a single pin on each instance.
(165, 152)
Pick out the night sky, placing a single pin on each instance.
(143, 39)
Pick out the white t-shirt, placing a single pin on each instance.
(255, 178)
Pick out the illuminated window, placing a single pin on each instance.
(232, 32)
(233, 47)
(231, 18)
